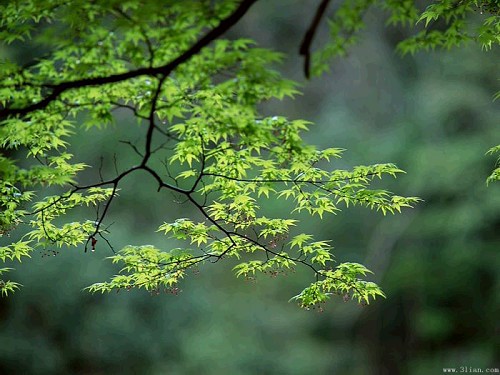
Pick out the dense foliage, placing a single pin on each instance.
(197, 97)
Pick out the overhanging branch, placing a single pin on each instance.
(305, 46)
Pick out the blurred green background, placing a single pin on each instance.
(432, 114)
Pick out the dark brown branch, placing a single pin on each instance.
(151, 119)
(91, 238)
(134, 147)
(163, 70)
(305, 46)
(202, 167)
(284, 180)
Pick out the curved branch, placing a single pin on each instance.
(305, 46)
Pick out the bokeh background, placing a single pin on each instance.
(432, 114)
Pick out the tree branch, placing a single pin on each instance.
(305, 46)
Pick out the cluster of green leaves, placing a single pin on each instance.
(47, 234)
(343, 280)
(344, 27)
(149, 268)
(227, 157)
(8, 286)
(446, 24)
(495, 175)
(442, 25)
(460, 25)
